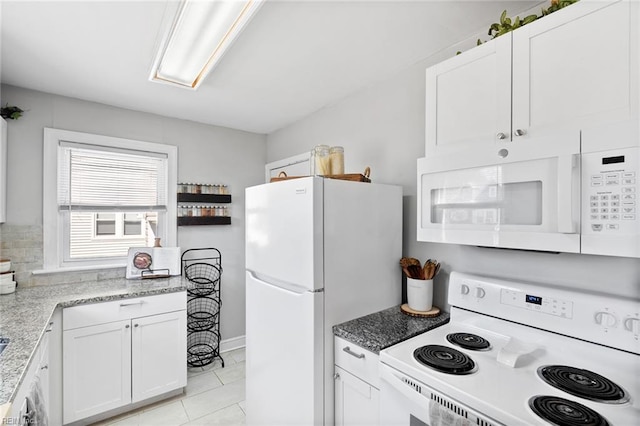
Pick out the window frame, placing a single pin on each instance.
(54, 226)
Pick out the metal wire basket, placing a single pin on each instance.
(204, 278)
(203, 313)
(202, 348)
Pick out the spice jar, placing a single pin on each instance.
(320, 162)
(336, 157)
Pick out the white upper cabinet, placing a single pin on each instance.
(468, 99)
(573, 70)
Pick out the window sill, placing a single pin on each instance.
(77, 269)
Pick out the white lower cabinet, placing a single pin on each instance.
(356, 385)
(357, 402)
(158, 355)
(37, 397)
(139, 354)
(97, 369)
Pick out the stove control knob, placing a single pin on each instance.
(632, 324)
(464, 289)
(480, 292)
(606, 319)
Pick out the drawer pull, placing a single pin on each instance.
(352, 353)
(140, 302)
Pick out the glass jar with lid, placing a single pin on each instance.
(336, 158)
(320, 162)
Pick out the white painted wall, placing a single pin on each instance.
(383, 127)
(206, 154)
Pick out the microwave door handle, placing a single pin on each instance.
(566, 188)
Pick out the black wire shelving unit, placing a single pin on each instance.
(202, 267)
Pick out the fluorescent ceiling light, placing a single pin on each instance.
(200, 34)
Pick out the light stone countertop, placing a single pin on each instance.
(383, 329)
(25, 314)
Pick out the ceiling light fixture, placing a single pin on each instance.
(200, 34)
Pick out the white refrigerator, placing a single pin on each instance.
(318, 252)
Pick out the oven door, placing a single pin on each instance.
(407, 402)
(525, 203)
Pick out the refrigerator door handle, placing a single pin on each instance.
(288, 287)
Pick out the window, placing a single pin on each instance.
(103, 195)
(105, 223)
(122, 225)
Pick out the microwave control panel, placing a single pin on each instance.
(610, 190)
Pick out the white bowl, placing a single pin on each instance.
(5, 265)
(7, 288)
(6, 277)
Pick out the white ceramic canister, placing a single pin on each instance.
(6, 277)
(8, 288)
(5, 265)
(420, 294)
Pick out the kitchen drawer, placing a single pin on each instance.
(357, 361)
(123, 309)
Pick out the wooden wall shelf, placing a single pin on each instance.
(204, 220)
(203, 198)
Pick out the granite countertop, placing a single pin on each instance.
(382, 329)
(25, 314)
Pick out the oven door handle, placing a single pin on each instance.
(408, 389)
(421, 398)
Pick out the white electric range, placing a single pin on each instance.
(515, 353)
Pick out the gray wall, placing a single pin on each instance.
(206, 154)
(383, 127)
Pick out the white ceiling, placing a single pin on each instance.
(293, 58)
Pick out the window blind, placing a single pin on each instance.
(95, 179)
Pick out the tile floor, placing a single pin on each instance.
(214, 396)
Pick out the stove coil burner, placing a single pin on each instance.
(564, 412)
(583, 383)
(469, 341)
(444, 359)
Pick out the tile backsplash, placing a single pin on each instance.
(23, 244)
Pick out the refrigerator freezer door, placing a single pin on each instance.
(284, 359)
(284, 232)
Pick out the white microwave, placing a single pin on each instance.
(565, 202)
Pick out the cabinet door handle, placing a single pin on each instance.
(501, 136)
(140, 302)
(44, 367)
(135, 325)
(336, 376)
(127, 326)
(520, 132)
(352, 353)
